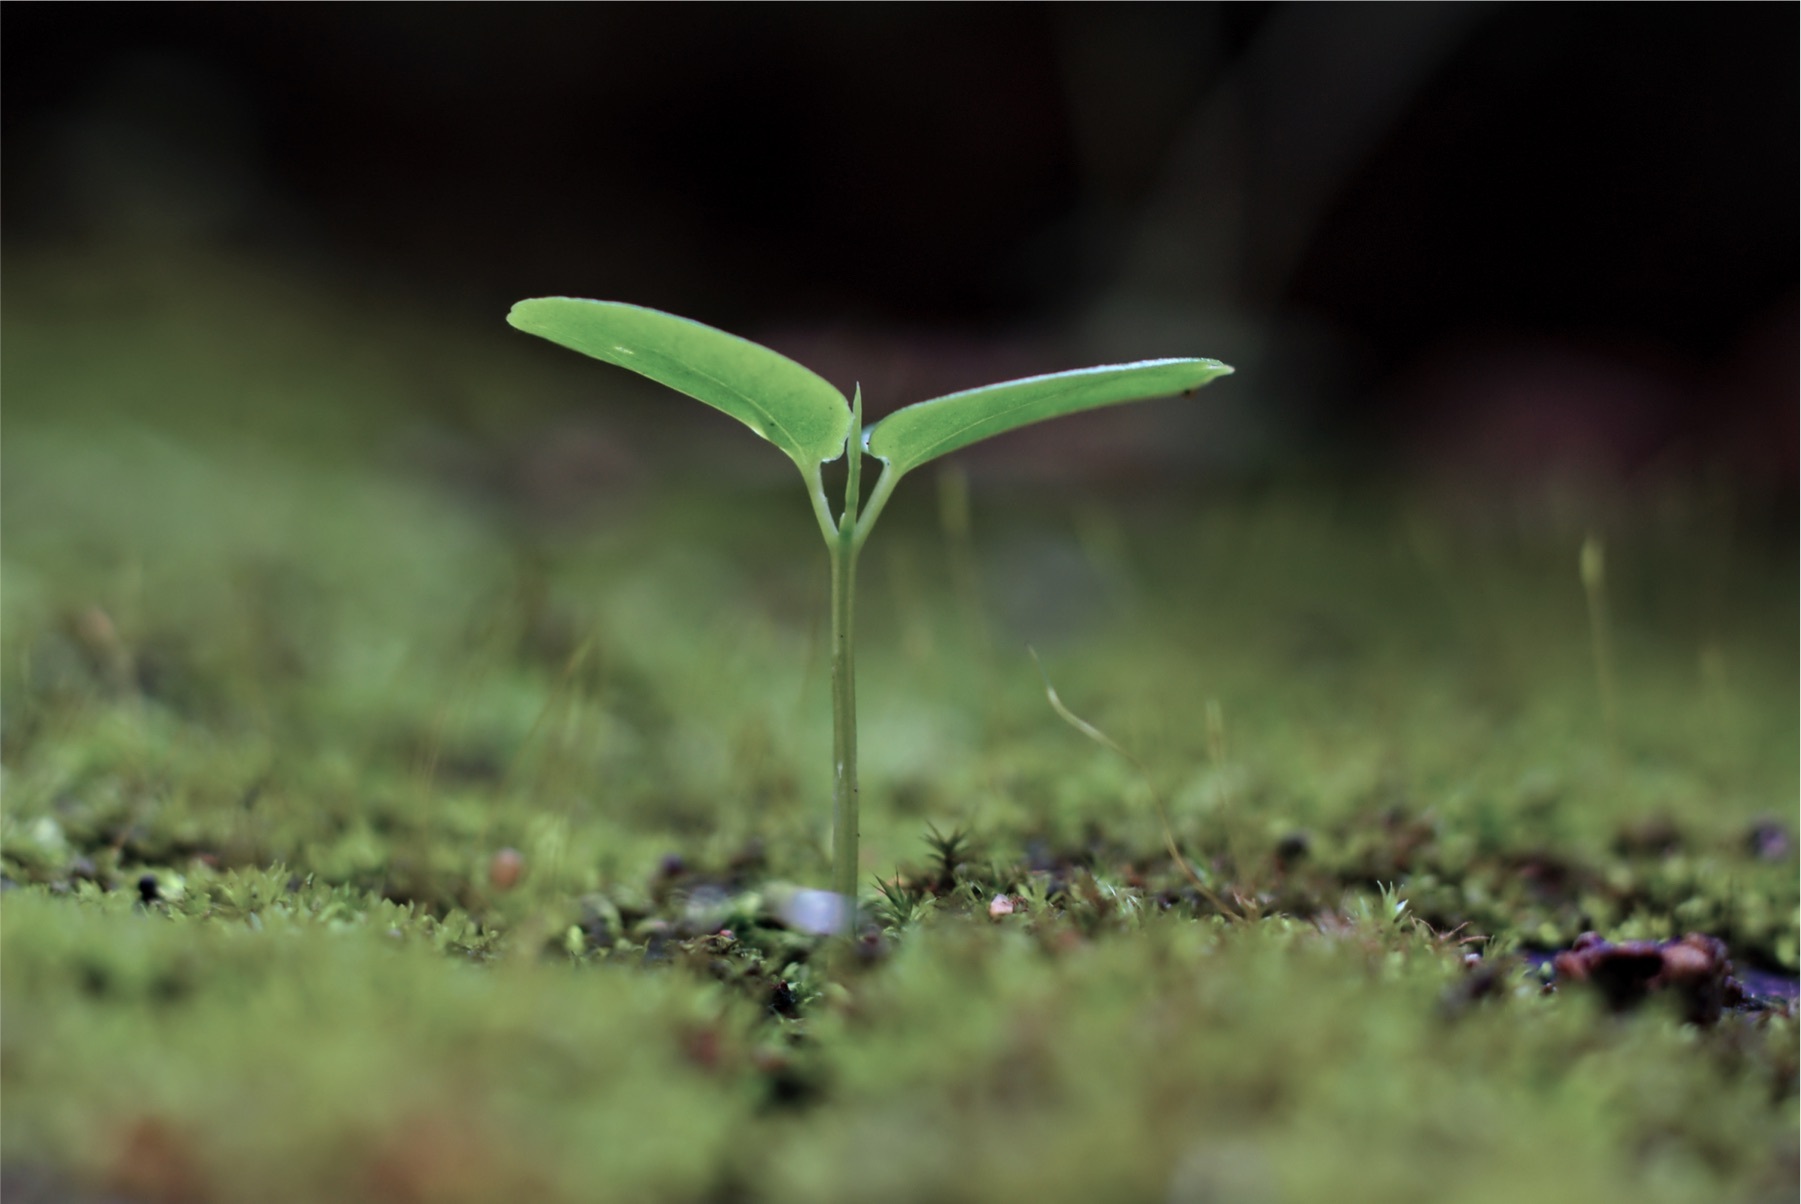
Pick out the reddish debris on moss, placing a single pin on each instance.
(1694, 969)
(505, 869)
(156, 1162)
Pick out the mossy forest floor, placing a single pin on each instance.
(409, 810)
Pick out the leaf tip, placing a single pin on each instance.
(520, 315)
(1215, 370)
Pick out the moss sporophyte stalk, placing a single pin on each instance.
(809, 419)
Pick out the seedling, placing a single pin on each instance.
(807, 418)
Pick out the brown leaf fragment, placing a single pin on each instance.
(1694, 970)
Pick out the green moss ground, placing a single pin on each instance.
(309, 664)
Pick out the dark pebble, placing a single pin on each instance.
(596, 933)
(1769, 841)
(1480, 981)
(1292, 848)
(783, 1001)
(788, 1088)
(656, 943)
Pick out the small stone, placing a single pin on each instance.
(1001, 905)
(1769, 841)
(505, 869)
(815, 912)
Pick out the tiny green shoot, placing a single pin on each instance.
(809, 419)
(1592, 564)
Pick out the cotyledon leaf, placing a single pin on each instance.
(789, 405)
(926, 430)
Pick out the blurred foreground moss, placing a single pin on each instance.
(1172, 1059)
(382, 823)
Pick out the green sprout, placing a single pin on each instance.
(809, 419)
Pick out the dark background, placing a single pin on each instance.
(1477, 241)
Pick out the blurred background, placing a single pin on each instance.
(1472, 248)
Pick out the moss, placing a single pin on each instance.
(283, 678)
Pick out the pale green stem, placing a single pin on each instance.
(878, 498)
(844, 547)
(822, 509)
(844, 722)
